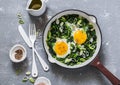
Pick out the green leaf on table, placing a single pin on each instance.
(21, 21)
(32, 80)
(28, 73)
(25, 79)
(18, 71)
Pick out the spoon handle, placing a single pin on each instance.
(43, 63)
(34, 66)
(96, 63)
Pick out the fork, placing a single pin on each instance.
(32, 36)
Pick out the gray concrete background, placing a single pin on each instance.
(108, 15)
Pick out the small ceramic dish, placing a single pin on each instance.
(17, 53)
(36, 12)
(42, 81)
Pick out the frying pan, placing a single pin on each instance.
(94, 60)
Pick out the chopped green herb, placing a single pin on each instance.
(25, 79)
(28, 73)
(20, 20)
(82, 59)
(32, 80)
(18, 71)
(68, 60)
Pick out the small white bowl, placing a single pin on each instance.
(42, 80)
(12, 53)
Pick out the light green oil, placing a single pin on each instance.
(35, 4)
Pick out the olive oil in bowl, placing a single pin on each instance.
(36, 7)
(35, 4)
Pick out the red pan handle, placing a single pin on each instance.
(96, 63)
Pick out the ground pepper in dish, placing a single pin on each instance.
(19, 54)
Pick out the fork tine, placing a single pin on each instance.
(31, 29)
(34, 30)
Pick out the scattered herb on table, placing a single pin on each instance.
(25, 79)
(28, 77)
(20, 19)
(28, 73)
(18, 71)
(32, 80)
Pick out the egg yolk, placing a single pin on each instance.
(80, 36)
(61, 48)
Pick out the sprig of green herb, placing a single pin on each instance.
(28, 73)
(32, 80)
(28, 77)
(20, 19)
(18, 71)
(25, 79)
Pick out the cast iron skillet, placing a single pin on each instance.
(94, 60)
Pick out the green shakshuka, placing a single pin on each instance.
(71, 39)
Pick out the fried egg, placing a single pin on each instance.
(61, 48)
(79, 36)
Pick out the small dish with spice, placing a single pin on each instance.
(42, 81)
(17, 53)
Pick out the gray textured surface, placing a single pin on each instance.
(108, 15)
